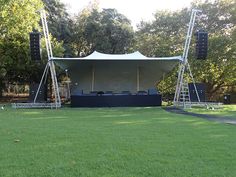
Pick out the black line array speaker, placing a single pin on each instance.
(201, 89)
(35, 46)
(42, 95)
(201, 44)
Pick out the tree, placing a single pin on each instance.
(219, 70)
(161, 38)
(79, 44)
(165, 36)
(18, 19)
(59, 23)
(107, 31)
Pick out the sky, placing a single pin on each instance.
(135, 10)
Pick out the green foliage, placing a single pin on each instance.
(59, 23)
(165, 37)
(107, 31)
(80, 45)
(18, 19)
(219, 70)
(113, 31)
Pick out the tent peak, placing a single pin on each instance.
(99, 55)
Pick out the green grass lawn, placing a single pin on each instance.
(225, 111)
(115, 142)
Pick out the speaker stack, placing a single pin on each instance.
(201, 44)
(42, 94)
(35, 46)
(201, 89)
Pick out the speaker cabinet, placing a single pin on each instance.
(35, 46)
(42, 95)
(201, 44)
(201, 89)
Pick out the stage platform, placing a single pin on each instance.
(118, 100)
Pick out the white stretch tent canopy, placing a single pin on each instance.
(116, 72)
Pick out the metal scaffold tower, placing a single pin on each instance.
(49, 67)
(182, 96)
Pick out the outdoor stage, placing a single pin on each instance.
(128, 77)
(115, 100)
(116, 72)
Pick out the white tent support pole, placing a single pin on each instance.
(163, 76)
(41, 81)
(93, 78)
(138, 78)
(68, 85)
(68, 88)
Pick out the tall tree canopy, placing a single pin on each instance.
(59, 23)
(18, 18)
(219, 70)
(165, 36)
(106, 31)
